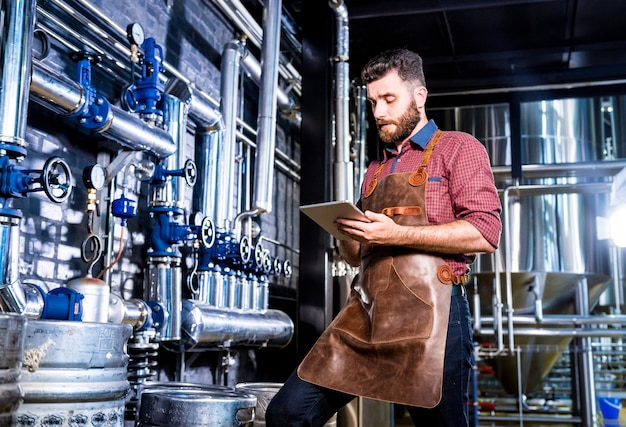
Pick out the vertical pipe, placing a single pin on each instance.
(266, 121)
(12, 298)
(164, 273)
(208, 155)
(584, 357)
(233, 52)
(360, 131)
(343, 168)
(175, 119)
(18, 22)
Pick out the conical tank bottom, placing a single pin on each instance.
(537, 354)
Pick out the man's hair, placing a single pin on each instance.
(407, 63)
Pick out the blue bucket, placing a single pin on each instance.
(610, 407)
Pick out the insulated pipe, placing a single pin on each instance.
(343, 166)
(238, 14)
(64, 96)
(18, 22)
(254, 69)
(174, 121)
(210, 145)
(229, 91)
(205, 113)
(266, 121)
(203, 110)
(205, 327)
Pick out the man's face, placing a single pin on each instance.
(394, 107)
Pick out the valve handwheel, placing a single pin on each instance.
(56, 179)
(258, 255)
(191, 172)
(287, 270)
(207, 232)
(245, 249)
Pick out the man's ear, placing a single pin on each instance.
(420, 94)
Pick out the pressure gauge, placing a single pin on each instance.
(94, 176)
(135, 34)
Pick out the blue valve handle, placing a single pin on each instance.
(143, 97)
(62, 304)
(95, 113)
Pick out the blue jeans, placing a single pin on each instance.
(299, 403)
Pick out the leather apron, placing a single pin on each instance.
(388, 341)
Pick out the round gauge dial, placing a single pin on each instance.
(94, 176)
(135, 33)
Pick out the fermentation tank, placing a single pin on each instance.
(551, 243)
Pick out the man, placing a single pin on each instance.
(404, 335)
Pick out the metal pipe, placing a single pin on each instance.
(225, 152)
(255, 70)
(241, 18)
(555, 170)
(563, 332)
(202, 109)
(560, 320)
(508, 266)
(18, 22)
(204, 112)
(343, 166)
(208, 152)
(584, 358)
(65, 96)
(206, 327)
(361, 134)
(132, 132)
(266, 120)
(175, 120)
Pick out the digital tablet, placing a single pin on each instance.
(325, 214)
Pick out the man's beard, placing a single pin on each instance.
(404, 126)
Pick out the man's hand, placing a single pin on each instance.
(379, 230)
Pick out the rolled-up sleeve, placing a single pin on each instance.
(472, 188)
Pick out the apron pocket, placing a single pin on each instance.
(393, 311)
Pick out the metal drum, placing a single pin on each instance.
(74, 373)
(11, 353)
(133, 403)
(265, 392)
(195, 407)
(173, 385)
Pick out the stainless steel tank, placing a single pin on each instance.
(11, 353)
(551, 231)
(74, 373)
(552, 238)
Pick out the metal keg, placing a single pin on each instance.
(74, 373)
(174, 385)
(11, 353)
(195, 407)
(265, 392)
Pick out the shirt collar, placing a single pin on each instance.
(420, 139)
(424, 135)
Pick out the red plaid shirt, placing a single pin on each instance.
(460, 183)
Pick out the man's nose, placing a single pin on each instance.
(379, 111)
